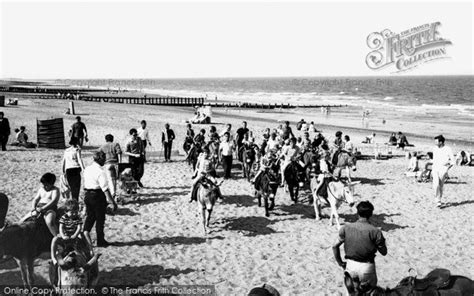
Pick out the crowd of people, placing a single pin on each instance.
(361, 240)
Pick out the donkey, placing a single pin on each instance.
(344, 160)
(333, 193)
(207, 195)
(23, 241)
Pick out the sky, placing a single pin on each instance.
(50, 40)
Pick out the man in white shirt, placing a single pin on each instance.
(228, 130)
(443, 160)
(96, 196)
(144, 136)
(226, 148)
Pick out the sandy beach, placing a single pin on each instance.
(160, 240)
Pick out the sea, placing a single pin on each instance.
(443, 102)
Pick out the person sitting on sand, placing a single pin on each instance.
(196, 117)
(393, 139)
(463, 158)
(413, 165)
(370, 139)
(46, 202)
(21, 136)
(402, 141)
(21, 139)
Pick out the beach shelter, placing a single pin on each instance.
(50, 133)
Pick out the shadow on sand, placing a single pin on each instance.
(134, 276)
(177, 240)
(457, 204)
(239, 200)
(378, 220)
(373, 182)
(250, 226)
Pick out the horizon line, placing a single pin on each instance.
(234, 77)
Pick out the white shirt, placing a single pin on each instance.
(226, 148)
(349, 146)
(442, 157)
(71, 159)
(94, 177)
(272, 144)
(143, 134)
(231, 136)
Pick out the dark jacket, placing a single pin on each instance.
(4, 127)
(170, 133)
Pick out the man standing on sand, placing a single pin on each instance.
(443, 160)
(96, 198)
(113, 156)
(4, 131)
(167, 137)
(79, 131)
(241, 132)
(361, 242)
(226, 148)
(135, 152)
(143, 134)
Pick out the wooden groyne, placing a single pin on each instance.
(173, 101)
(46, 90)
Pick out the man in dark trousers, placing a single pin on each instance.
(167, 137)
(361, 241)
(136, 156)
(97, 195)
(79, 131)
(4, 131)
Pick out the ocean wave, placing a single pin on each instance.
(388, 98)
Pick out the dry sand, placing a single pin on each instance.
(161, 241)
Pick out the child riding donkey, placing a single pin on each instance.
(204, 171)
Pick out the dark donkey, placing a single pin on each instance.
(249, 155)
(294, 177)
(194, 154)
(266, 185)
(437, 282)
(23, 241)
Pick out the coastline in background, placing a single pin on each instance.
(415, 105)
